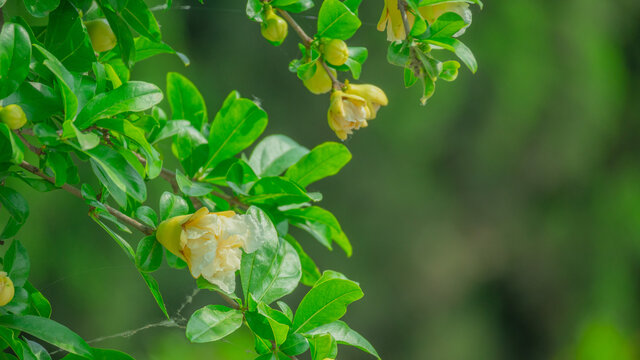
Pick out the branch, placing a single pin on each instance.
(402, 6)
(306, 39)
(33, 149)
(75, 192)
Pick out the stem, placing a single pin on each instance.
(306, 39)
(75, 192)
(402, 6)
(33, 149)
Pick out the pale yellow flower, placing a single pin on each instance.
(212, 243)
(347, 112)
(6, 289)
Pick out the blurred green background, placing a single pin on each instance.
(500, 221)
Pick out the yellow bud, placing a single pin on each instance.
(274, 28)
(6, 289)
(102, 37)
(336, 52)
(373, 95)
(320, 82)
(13, 116)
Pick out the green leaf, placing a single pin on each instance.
(49, 331)
(18, 346)
(344, 335)
(322, 347)
(149, 254)
(357, 57)
(16, 264)
(39, 352)
(324, 160)
(447, 25)
(141, 19)
(132, 96)
(174, 261)
(192, 188)
(254, 10)
(310, 271)
(326, 302)
(236, 126)
(15, 54)
(40, 8)
(270, 272)
(295, 344)
(68, 40)
(241, 177)
(152, 284)
(153, 165)
(294, 6)
(172, 205)
(37, 100)
(274, 154)
(449, 70)
(11, 148)
(186, 101)
(147, 216)
(145, 48)
(337, 21)
(120, 178)
(17, 207)
(87, 140)
(123, 34)
(277, 191)
(65, 82)
(102, 354)
(266, 325)
(58, 165)
(461, 50)
(39, 303)
(213, 322)
(321, 224)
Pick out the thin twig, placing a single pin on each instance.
(77, 193)
(306, 39)
(402, 6)
(31, 147)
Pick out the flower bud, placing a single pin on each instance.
(336, 52)
(320, 82)
(13, 116)
(102, 37)
(373, 95)
(6, 289)
(347, 112)
(211, 243)
(274, 28)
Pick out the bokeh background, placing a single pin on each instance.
(500, 221)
